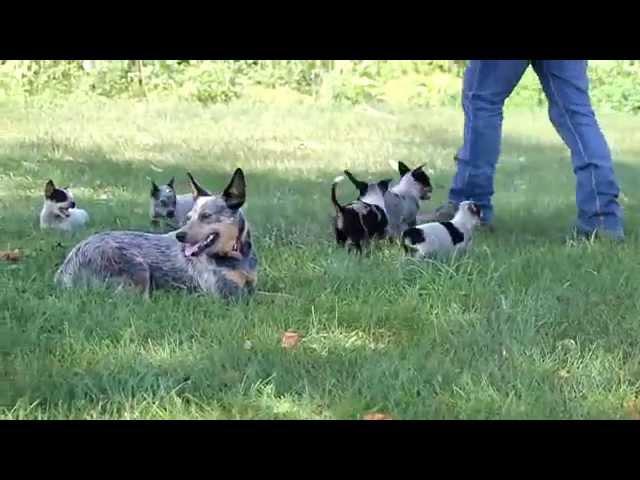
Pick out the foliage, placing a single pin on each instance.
(427, 83)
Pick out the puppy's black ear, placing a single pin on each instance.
(171, 182)
(235, 193)
(49, 188)
(475, 209)
(196, 189)
(403, 169)
(384, 185)
(361, 186)
(413, 236)
(154, 189)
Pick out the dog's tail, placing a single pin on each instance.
(334, 199)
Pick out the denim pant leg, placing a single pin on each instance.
(566, 86)
(486, 86)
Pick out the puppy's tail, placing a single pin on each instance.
(334, 199)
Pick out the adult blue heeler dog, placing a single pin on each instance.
(212, 253)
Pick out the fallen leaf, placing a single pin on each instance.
(248, 345)
(377, 416)
(11, 255)
(291, 339)
(632, 408)
(564, 373)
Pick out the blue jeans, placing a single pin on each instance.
(487, 84)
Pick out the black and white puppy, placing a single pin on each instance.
(59, 210)
(402, 201)
(443, 237)
(364, 219)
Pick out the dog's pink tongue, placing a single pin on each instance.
(190, 250)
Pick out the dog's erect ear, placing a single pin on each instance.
(420, 176)
(49, 188)
(235, 193)
(154, 189)
(196, 189)
(384, 185)
(475, 209)
(403, 169)
(361, 186)
(171, 182)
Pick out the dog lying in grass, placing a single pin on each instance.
(211, 253)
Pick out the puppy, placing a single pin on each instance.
(168, 208)
(212, 253)
(59, 210)
(443, 237)
(402, 201)
(357, 222)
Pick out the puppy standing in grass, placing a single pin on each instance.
(167, 207)
(212, 253)
(436, 238)
(402, 201)
(364, 219)
(59, 210)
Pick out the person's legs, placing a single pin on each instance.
(486, 86)
(566, 86)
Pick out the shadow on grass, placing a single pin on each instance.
(288, 213)
(118, 186)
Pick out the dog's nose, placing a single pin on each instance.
(72, 205)
(181, 236)
(171, 213)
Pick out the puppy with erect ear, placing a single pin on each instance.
(443, 237)
(364, 219)
(168, 208)
(59, 210)
(402, 201)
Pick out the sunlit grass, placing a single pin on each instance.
(528, 325)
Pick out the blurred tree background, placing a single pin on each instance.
(422, 83)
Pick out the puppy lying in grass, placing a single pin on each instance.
(59, 211)
(168, 209)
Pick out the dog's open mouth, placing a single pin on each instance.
(196, 249)
(65, 212)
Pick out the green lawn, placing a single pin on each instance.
(528, 325)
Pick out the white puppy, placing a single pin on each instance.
(59, 210)
(443, 237)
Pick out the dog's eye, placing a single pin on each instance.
(205, 215)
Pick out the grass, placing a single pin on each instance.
(528, 325)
